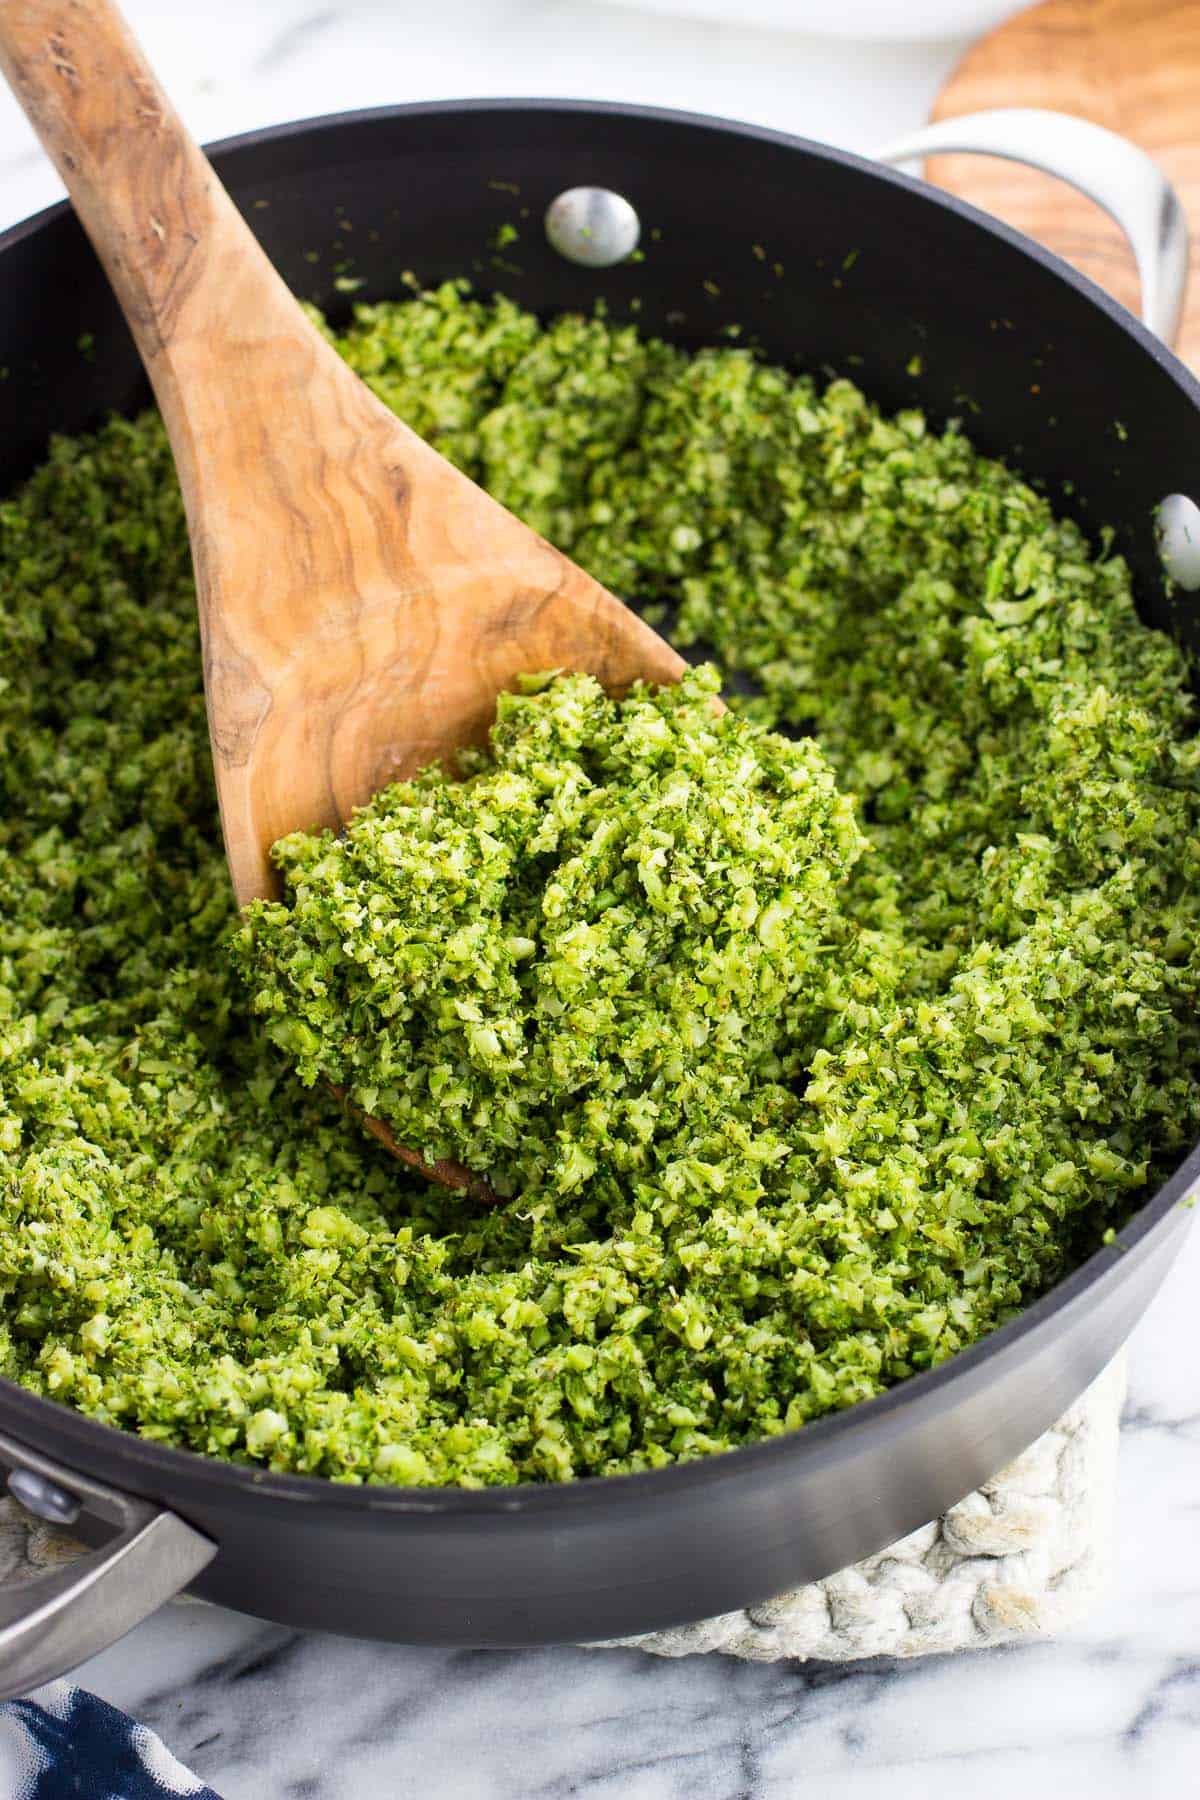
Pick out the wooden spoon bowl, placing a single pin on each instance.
(362, 602)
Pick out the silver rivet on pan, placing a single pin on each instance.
(592, 226)
(45, 1499)
(1177, 527)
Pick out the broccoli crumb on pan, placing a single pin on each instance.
(801, 1061)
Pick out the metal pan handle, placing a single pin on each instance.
(1110, 170)
(52, 1623)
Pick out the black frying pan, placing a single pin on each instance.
(1047, 366)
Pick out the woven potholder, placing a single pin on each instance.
(1024, 1556)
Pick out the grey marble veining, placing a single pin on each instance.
(231, 67)
(1112, 1713)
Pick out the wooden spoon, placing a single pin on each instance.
(361, 602)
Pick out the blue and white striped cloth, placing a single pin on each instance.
(68, 1745)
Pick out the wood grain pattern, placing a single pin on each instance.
(361, 602)
(1133, 65)
(445, 1172)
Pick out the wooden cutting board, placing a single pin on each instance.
(1133, 65)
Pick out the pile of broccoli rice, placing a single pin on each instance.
(801, 1061)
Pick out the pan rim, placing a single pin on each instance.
(164, 1465)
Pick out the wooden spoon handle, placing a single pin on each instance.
(148, 199)
(361, 601)
(269, 428)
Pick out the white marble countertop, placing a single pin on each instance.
(1111, 1712)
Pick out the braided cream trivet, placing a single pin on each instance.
(1024, 1556)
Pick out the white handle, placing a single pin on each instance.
(1110, 170)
